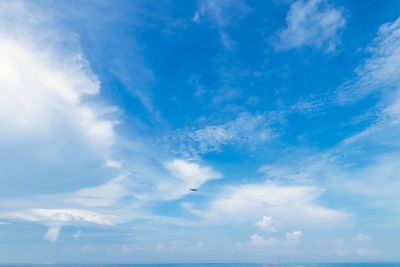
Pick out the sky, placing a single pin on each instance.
(285, 115)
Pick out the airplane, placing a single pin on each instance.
(194, 189)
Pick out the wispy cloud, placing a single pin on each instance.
(315, 23)
(377, 74)
(245, 129)
(222, 14)
(380, 72)
(60, 216)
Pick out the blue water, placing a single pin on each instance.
(217, 265)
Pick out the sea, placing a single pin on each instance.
(370, 264)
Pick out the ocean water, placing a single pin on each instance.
(216, 265)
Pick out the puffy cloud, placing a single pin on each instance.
(52, 125)
(265, 223)
(52, 233)
(190, 172)
(294, 236)
(313, 23)
(291, 238)
(48, 126)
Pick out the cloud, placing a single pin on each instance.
(289, 205)
(258, 241)
(187, 175)
(57, 218)
(265, 223)
(52, 233)
(245, 129)
(380, 72)
(291, 239)
(48, 124)
(361, 238)
(366, 252)
(77, 235)
(377, 143)
(294, 236)
(364, 246)
(122, 199)
(313, 23)
(191, 173)
(106, 194)
(221, 14)
(61, 216)
(88, 249)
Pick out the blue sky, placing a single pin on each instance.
(284, 114)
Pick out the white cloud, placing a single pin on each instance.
(302, 171)
(187, 175)
(31, 86)
(294, 236)
(54, 126)
(190, 172)
(88, 249)
(291, 238)
(61, 139)
(222, 14)
(289, 205)
(105, 194)
(379, 74)
(313, 23)
(265, 223)
(258, 241)
(52, 233)
(361, 238)
(61, 216)
(379, 181)
(246, 129)
(119, 200)
(381, 71)
(77, 235)
(363, 252)
(114, 164)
